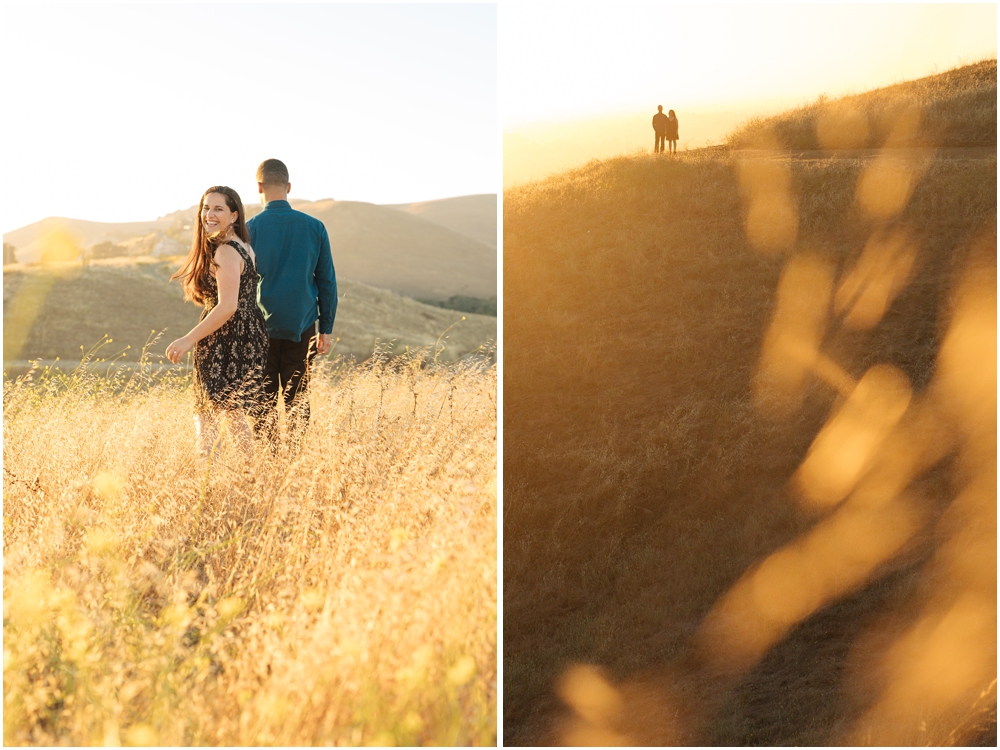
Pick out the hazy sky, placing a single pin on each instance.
(127, 112)
(560, 62)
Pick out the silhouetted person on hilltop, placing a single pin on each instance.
(672, 131)
(660, 128)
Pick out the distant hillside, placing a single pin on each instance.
(424, 250)
(395, 250)
(51, 311)
(677, 333)
(28, 239)
(475, 216)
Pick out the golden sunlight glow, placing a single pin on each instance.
(715, 66)
(941, 671)
(772, 220)
(55, 248)
(850, 439)
(883, 271)
(597, 706)
(791, 345)
(970, 392)
(930, 672)
(886, 185)
(841, 126)
(791, 584)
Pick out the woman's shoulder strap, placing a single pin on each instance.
(239, 247)
(243, 252)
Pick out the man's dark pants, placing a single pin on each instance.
(287, 371)
(660, 140)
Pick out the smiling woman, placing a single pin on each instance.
(230, 340)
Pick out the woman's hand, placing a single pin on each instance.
(177, 349)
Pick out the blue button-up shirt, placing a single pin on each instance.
(297, 281)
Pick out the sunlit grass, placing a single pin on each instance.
(959, 108)
(344, 595)
(748, 500)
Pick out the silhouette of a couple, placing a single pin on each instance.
(666, 130)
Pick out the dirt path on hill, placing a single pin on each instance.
(862, 154)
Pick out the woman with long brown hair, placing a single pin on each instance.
(230, 340)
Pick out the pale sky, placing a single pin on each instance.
(567, 62)
(127, 112)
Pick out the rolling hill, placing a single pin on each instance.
(475, 216)
(28, 239)
(717, 530)
(958, 110)
(395, 250)
(432, 250)
(53, 310)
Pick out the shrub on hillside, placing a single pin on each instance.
(106, 250)
(476, 305)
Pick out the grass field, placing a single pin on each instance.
(343, 595)
(750, 440)
(433, 249)
(61, 310)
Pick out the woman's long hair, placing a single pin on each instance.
(195, 273)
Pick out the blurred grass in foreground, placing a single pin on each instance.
(344, 595)
(750, 443)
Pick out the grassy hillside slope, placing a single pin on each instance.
(646, 483)
(958, 108)
(395, 250)
(86, 232)
(432, 250)
(53, 311)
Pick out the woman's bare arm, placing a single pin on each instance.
(227, 277)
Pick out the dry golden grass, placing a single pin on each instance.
(55, 310)
(449, 250)
(749, 450)
(344, 595)
(959, 109)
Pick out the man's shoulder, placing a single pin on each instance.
(305, 218)
(287, 216)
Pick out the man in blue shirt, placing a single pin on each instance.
(297, 293)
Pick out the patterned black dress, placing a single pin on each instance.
(229, 363)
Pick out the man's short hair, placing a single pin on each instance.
(272, 172)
